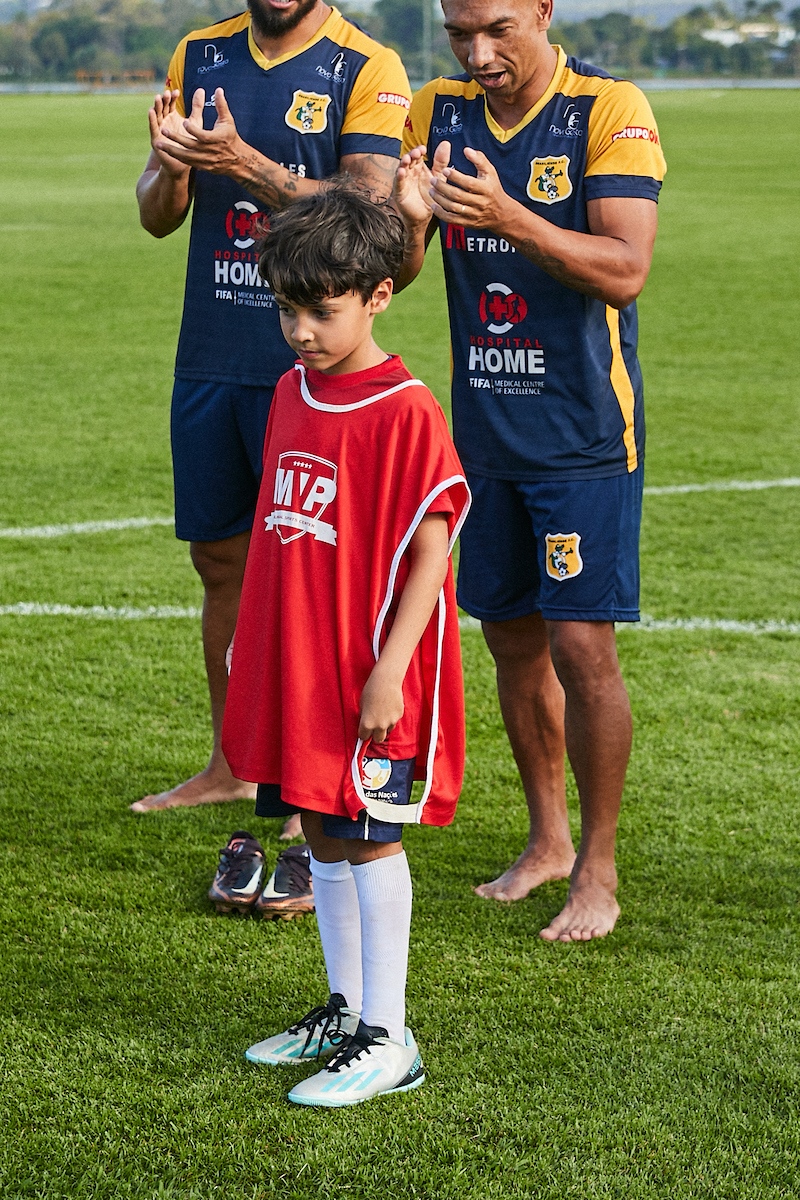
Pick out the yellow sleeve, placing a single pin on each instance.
(624, 148)
(175, 74)
(376, 112)
(418, 125)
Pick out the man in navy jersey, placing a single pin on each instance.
(281, 97)
(543, 181)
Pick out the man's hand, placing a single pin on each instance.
(381, 705)
(219, 150)
(164, 117)
(460, 199)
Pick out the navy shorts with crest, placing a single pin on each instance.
(568, 549)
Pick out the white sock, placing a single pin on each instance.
(339, 922)
(384, 898)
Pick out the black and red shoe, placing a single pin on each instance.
(240, 874)
(289, 891)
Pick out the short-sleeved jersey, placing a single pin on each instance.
(546, 380)
(352, 464)
(341, 93)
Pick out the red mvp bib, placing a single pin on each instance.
(352, 463)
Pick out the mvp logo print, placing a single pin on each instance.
(308, 112)
(563, 556)
(550, 181)
(304, 487)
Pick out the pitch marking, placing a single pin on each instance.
(97, 612)
(648, 624)
(676, 489)
(52, 531)
(732, 485)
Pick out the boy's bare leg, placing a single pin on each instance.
(328, 849)
(220, 565)
(599, 733)
(532, 704)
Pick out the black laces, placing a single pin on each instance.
(293, 868)
(328, 1019)
(353, 1047)
(233, 867)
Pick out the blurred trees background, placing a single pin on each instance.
(111, 38)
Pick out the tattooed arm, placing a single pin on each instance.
(374, 172)
(611, 262)
(223, 152)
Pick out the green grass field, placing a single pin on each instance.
(661, 1062)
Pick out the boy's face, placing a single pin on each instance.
(334, 336)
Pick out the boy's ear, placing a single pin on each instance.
(381, 296)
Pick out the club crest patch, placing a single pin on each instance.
(563, 555)
(375, 773)
(549, 180)
(308, 112)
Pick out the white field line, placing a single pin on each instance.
(677, 489)
(648, 624)
(97, 612)
(53, 531)
(732, 485)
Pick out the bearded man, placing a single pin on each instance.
(282, 97)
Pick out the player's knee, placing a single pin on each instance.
(219, 564)
(584, 655)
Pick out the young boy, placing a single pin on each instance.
(345, 678)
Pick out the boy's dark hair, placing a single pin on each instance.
(338, 240)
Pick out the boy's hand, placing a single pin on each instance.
(381, 705)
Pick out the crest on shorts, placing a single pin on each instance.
(375, 773)
(304, 487)
(563, 555)
(308, 112)
(549, 181)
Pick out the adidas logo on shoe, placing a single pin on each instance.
(369, 1064)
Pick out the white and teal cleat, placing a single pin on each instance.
(316, 1035)
(368, 1064)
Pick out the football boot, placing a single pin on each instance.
(289, 891)
(368, 1064)
(240, 874)
(316, 1035)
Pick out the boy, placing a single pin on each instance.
(345, 679)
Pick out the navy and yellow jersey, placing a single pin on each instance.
(546, 382)
(339, 94)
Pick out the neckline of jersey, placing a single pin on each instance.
(267, 64)
(505, 135)
(327, 383)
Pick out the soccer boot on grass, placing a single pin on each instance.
(240, 874)
(316, 1035)
(289, 891)
(368, 1064)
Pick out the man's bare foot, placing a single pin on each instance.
(209, 787)
(531, 869)
(591, 911)
(292, 828)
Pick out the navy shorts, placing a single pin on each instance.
(393, 784)
(217, 446)
(566, 549)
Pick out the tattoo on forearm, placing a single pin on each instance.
(555, 268)
(375, 172)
